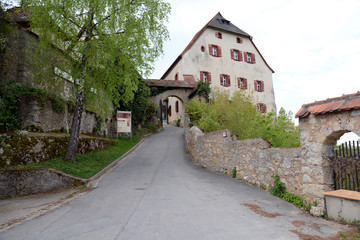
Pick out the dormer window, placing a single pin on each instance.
(225, 22)
(218, 35)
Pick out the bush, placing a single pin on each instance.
(279, 188)
(239, 114)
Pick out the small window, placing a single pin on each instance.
(169, 111)
(218, 35)
(205, 76)
(259, 85)
(236, 55)
(242, 83)
(225, 80)
(239, 40)
(177, 106)
(202, 48)
(261, 107)
(215, 50)
(249, 57)
(176, 76)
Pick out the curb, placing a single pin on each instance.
(93, 182)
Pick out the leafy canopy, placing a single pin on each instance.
(104, 44)
(240, 115)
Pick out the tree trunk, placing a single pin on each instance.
(75, 128)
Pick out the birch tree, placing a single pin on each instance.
(107, 44)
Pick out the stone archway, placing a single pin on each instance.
(169, 89)
(321, 124)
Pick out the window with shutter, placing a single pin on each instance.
(259, 86)
(252, 58)
(236, 55)
(239, 40)
(169, 111)
(214, 50)
(205, 76)
(228, 83)
(261, 107)
(218, 35)
(242, 83)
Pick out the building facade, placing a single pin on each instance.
(227, 58)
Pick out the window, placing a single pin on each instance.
(218, 35)
(261, 107)
(169, 111)
(249, 57)
(205, 76)
(239, 40)
(177, 106)
(177, 76)
(202, 48)
(242, 83)
(225, 80)
(236, 55)
(259, 85)
(215, 50)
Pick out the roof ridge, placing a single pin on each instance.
(343, 97)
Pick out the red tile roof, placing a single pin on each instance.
(169, 83)
(343, 103)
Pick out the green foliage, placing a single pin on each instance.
(294, 199)
(101, 44)
(99, 124)
(178, 122)
(140, 106)
(89, 164)
(233, 173)
(279, 188)
(239, 114)
(10, 95)
(203, 89)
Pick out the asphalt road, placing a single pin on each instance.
(158, 193)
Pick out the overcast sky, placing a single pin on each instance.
(312, 45)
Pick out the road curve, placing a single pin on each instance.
(158, 193)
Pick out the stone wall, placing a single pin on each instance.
(254, 159)
(40, 114)
(36, 147)
(20, 182)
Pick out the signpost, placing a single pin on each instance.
(123, 122)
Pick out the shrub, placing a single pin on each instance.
(279, 188)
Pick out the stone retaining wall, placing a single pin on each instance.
(255, 162)
(19, 182)
(36, 147)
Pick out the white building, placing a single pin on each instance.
(226, 57)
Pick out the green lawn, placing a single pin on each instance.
(89, 164)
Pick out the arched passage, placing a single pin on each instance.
(172, 98)
(321, 124)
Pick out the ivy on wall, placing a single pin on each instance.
(10, 96)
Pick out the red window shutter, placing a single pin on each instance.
(209, 77)
(232, 53)
(255, 86)
(219, 51)
(253, 58)
(201, 76)
(239, 82)
(245, 56)
(210, 49)
(262, 86)
(264, 108)
(245, 83)
(177, 106)
(228, 81)
(169, 111)
(240, 56)
(221, 80)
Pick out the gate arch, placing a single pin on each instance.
(322, 123)
(168, 89)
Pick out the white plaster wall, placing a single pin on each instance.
(195, 60)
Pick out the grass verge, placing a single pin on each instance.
(87, 165)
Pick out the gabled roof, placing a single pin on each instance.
(217, 22)
(343, 103)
